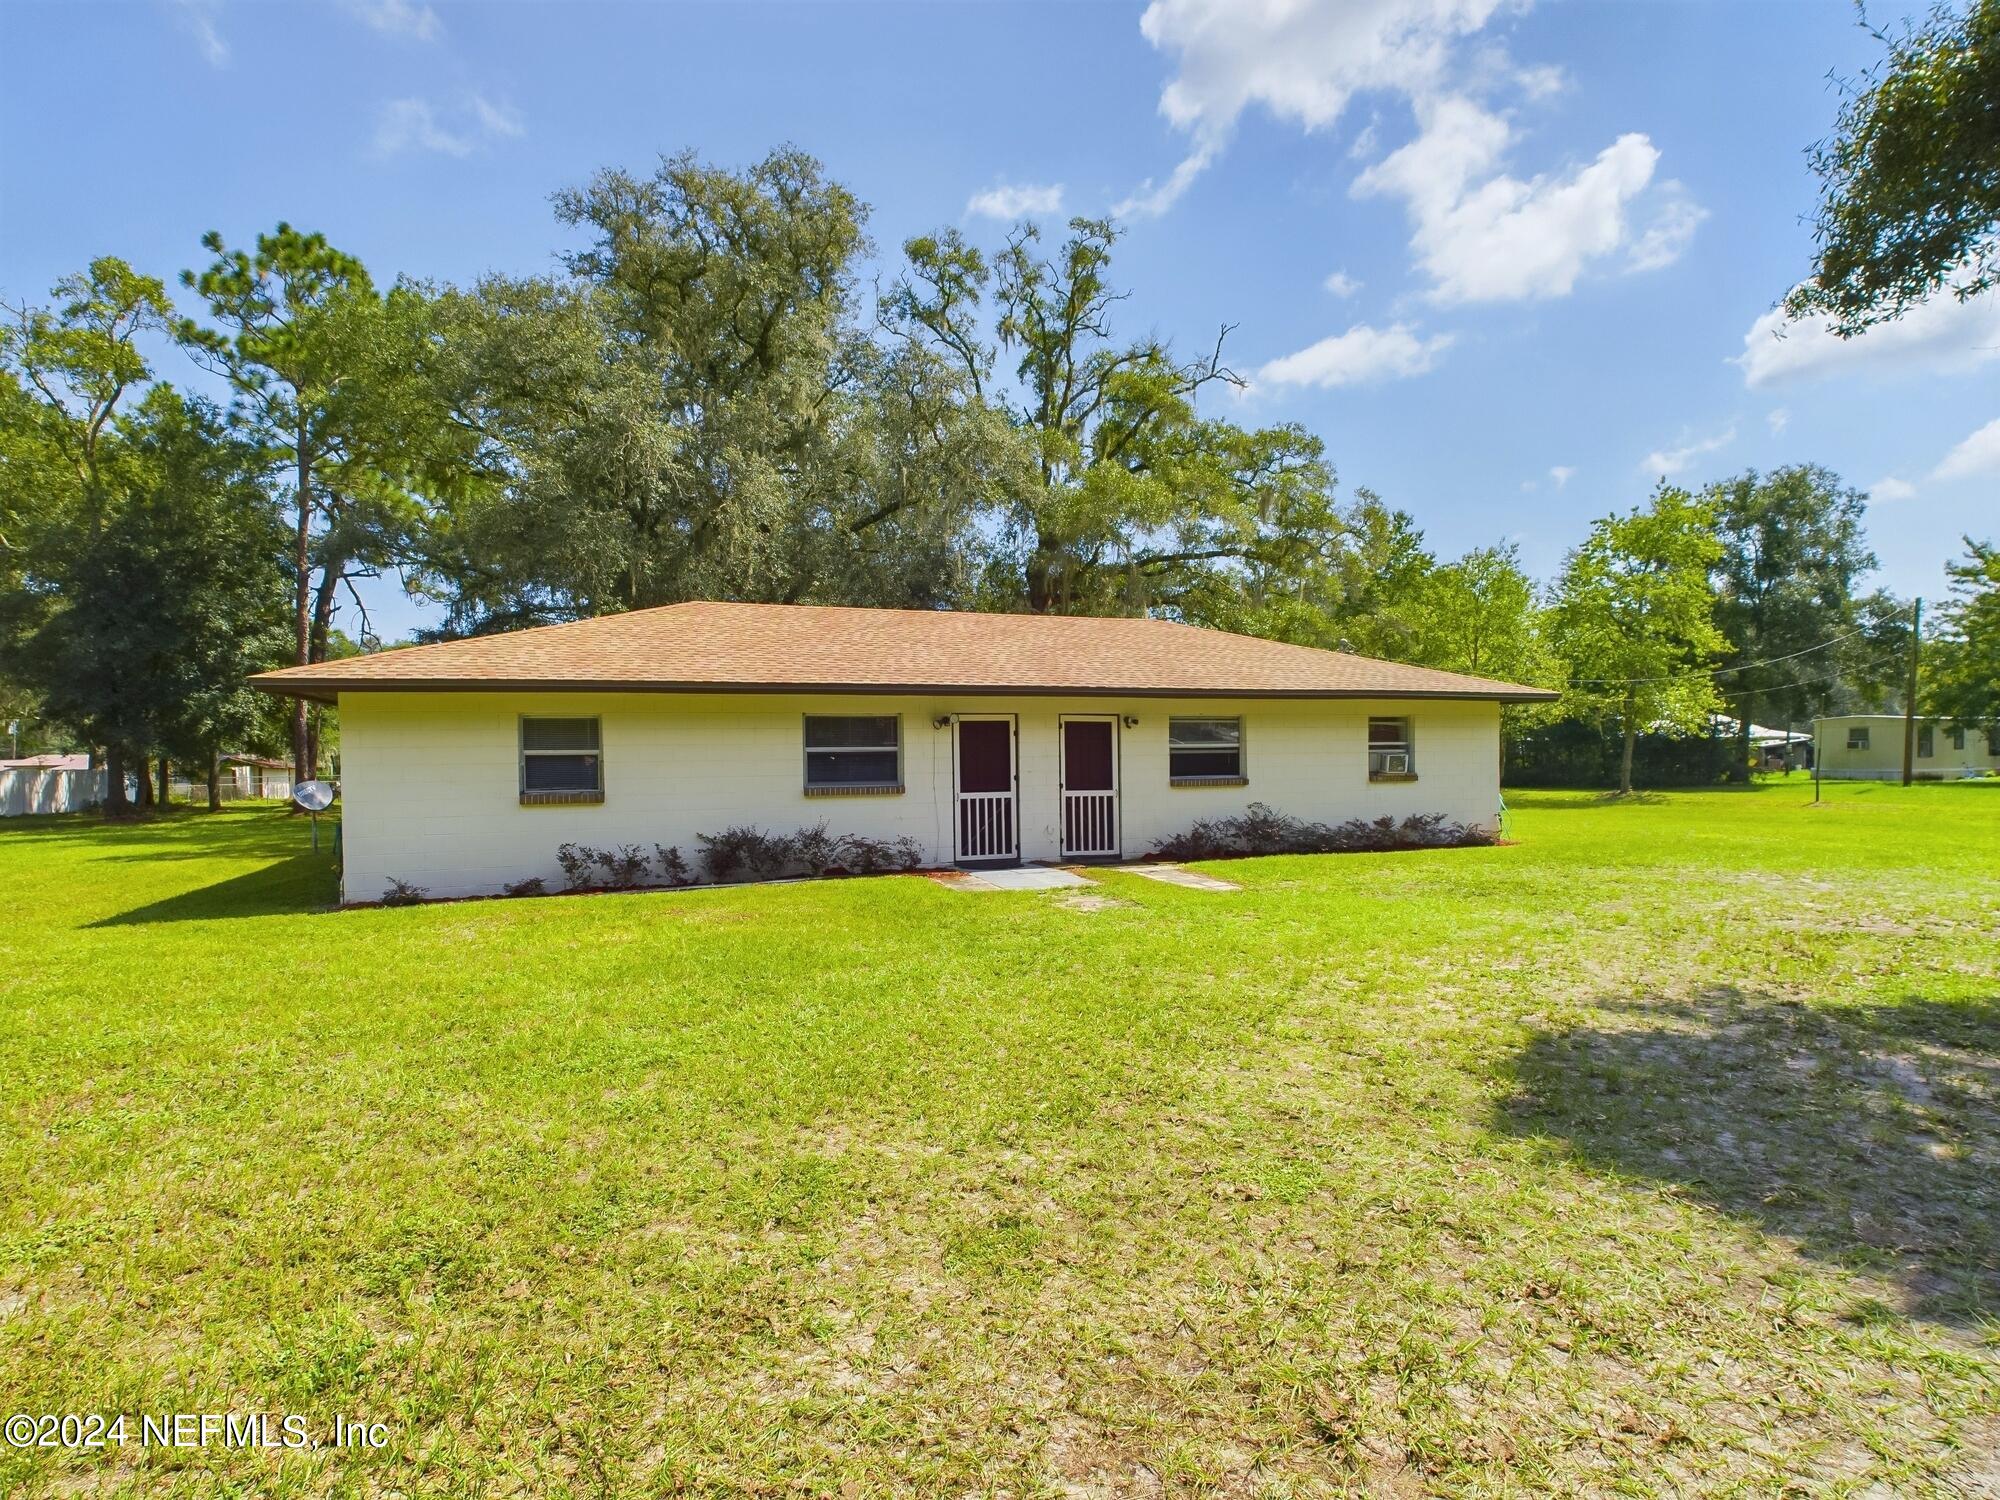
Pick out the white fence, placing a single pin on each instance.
(25, 790)
(51, 789)
(47, 789)
(276, 787)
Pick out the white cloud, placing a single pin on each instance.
(1149, 201)
(1671, 461)
(1562, 473)
(1458, 141)
(1485, 236)
(1481, 236)
(199, 17)
(1673, 225)
(1776, 420)
(1940, 336)
(399, 18)
(1542, 81)
(1016, 201)
(406, 124)
(1303, 60)
(1978, 454)
(1341, 284)
(418, 125)
(495, 119)
(1892, 489)
(1360, 356)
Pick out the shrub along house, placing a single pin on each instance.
(984, 738)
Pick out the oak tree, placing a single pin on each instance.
(1634, 618)
(1792, 551)
(1134, 499)
(1910, 177)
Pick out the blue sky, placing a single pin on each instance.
(1513, 262)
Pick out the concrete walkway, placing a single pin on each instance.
(1194, 880)
(1020, 878)
(1049, 878)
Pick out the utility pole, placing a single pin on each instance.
(1910, 693)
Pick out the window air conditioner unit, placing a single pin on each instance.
(1397, 764)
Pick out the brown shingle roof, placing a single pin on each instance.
(705, 647)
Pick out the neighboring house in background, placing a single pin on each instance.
(242, 778)
(1768, 747)
(47, 763)
(985, 738)
(49, 784)
(1869, 747)
(258, 775)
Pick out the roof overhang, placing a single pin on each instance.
(329, 689)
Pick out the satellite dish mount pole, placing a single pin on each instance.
(313, 796)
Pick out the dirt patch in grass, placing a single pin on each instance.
(1091, 901)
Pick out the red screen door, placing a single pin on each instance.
(986, 789)
(1089, 788)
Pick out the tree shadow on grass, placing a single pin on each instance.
(1869, 1135)
(291, 877)
(305, 882)
(1576, 799)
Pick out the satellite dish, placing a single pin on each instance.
(313, 796)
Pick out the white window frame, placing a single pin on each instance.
(1380, 766)
(544, 796)
(1241, 777)
(848, 788)
(1857, 736)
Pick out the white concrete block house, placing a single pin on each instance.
(986, 738)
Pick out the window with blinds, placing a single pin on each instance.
(854, 753)
(561, 760)
(1201, 750)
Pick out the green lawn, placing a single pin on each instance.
(1656, 1153)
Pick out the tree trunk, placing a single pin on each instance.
(214, 779)
(166, 782)
(302, 599)
(1625, 763)
(116, 803)
(316, 643)
(1042, 570)
(322, 608)
(142, 774)
(1740, 771)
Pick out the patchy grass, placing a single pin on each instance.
(1657, 1153)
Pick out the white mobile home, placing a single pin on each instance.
(1869, 747)
(984, 738)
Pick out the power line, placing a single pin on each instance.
(1742, 666)
(1780, 687)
